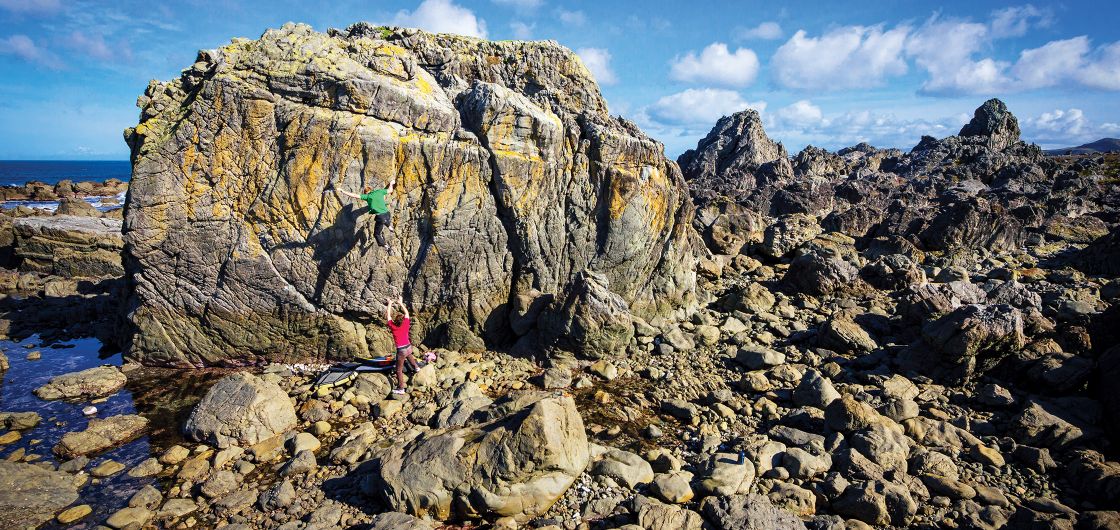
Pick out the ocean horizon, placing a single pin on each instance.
(20, 172)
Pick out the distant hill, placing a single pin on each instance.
(1104, 145)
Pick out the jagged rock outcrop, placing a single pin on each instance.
(994, 124)
(511, 178)
(735, 160)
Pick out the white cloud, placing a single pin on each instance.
(31, 6)
(442, 16)
(1052, 63)
(846, 57)
(93, 45)
(763, 31)
(1104, 72)
(522, 30)
(1016, 20)
(716, 65)
(945, 50)
(802, 112)
(598, 61)
(700, 107)
(1065, 128)
(571, 18)
(23, 47)
(524, 5)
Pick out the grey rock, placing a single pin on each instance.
(528, 455)
(814, 390)
(101, 434)
(966, 343)
(30, 495)
(398, 521)
(240, 409)
(748, 512)
(759, 357)
(90, 383)
(516, 190)
(626, 468)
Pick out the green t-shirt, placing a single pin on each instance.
(376, 200)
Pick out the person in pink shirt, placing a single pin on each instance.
(400, 328)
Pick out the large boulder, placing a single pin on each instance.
(31, 495)
(69, 246)
(90, 383)
(587, 319)
(511, 178)
(515, 464)
(821, 273)
(966, 343)
(241, 409)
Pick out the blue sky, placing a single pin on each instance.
(824, 73)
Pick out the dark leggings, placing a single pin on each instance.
(402, 353)
(380, 221)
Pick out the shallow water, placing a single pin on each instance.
(164, 397)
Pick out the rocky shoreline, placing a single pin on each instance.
(865, 339)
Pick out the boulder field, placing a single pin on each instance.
(867, 338)
(511, 180)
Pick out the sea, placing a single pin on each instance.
(20, 172)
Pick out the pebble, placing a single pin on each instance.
(74, 513)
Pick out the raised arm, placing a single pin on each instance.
(351, 195)
(400, 300)
(392, 186)
(388, 309)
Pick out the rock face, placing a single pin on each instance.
(90, 383)
(517, 464)
(69, 246)
(31, 495)
(241, 409)
(588, 318)
(511, 178)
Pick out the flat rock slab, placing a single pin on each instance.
(101, 435)
(90, 383)
(31, 495)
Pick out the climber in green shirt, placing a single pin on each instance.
(375, 199)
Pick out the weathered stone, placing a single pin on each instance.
(90, 383)
(587, 318)
(240, 409)
(276, 256)
(526, 459)
(673, 487)
(1040, 427)
(725, 474)
(101, 434)
(624, 467)
(31, 495)
(748, 512)
(70, 246)
(966, 343)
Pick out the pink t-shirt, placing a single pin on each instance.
(400, 333)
